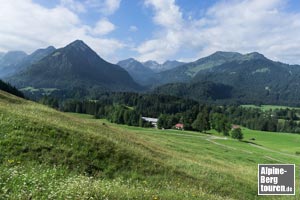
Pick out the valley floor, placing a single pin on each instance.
(46, 154)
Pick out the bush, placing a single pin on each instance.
(237, 134)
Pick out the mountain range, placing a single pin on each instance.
(167, 65)
(186, 72)
(140, 73)
(147, 73)
(221, 77)
(248, 78)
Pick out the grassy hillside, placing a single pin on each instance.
(46, 154)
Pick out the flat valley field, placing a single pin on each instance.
(269, 107)
(47, 154)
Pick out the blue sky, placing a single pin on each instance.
(155, 29)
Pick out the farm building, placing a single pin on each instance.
(153, 121)
(235, 127)
(179, 126)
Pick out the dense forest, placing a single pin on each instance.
(10, 89)
(128, 108)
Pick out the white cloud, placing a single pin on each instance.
(28, 26)
(166, 43)
(103, 27)
(73, 5)
(167, 13)
(244, 26)
(160, 49)
(111, 6)
(106, 7)
(133, 29)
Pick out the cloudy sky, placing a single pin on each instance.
(155, 29)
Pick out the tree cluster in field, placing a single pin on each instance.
(205, 118)
(275, 120)
(127, 108)
(237, 134)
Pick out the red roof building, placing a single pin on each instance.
(235, 126)
(179, 126)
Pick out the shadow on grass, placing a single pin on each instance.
(249, 142)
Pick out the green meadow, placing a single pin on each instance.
(47, 154)
(44, 91)
(269, 107)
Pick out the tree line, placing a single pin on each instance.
(10, 89)
(127, 108)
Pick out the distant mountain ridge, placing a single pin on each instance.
(181, 72)
(167, 65)
(75, 65)
(16, 61)
(257, 77)
(253, 78)
(36, 56)
(185, 72)
(139, 72)
(10, 61)
(145, 73)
